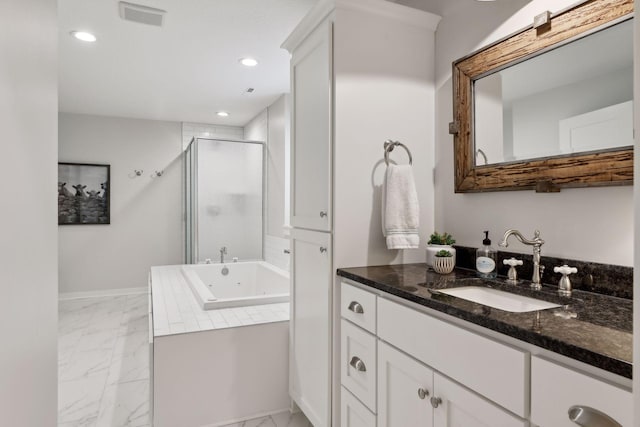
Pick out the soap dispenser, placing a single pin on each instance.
(486, 258)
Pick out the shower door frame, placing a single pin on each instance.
(191, 212)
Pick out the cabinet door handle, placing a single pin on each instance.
(358, 364)
(423, 393)
(356, 307)
(435, 401)
(589, 417)
(323, 249)
(323, 214)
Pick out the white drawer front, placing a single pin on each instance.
(358, 306)
(359, 362)
(492, 369)
(555, 389)
(353, 413)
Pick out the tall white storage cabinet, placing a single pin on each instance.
(361, 73)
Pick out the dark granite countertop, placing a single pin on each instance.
(592, 328)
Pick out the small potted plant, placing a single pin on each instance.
(444, 263)
(438, 242)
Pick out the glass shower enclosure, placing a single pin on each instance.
(223, 199)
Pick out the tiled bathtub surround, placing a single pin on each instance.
(104, 366)
(176, 311)
(613, 280)
(103, 362)
(274, 251)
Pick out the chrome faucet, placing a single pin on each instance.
(223, 252)
(536, 242)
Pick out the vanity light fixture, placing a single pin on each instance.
(222, 114)
(248, 62)
(84, 36)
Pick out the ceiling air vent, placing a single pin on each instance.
(141, 14)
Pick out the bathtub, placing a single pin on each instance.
(246, 283)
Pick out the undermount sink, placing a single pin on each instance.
(499, 299)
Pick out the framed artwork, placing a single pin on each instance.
(83, 193)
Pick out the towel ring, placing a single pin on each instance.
(389, 145)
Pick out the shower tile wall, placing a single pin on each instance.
(274, 251)
(203, 130)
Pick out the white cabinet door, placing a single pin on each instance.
(353, 413)
(456, 406)
(312, 131)
(404, 389)
(556, 389)
(310, 326)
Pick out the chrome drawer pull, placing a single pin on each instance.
(358, 364)
(435, 401)
(589, 417)
(323, 249)
(423, 393)
(323, 214)
(356, 307)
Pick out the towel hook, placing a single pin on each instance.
(389, 145)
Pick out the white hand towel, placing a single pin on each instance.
(400, 209)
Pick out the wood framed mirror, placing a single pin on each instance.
(494, 69)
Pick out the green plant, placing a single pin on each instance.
(441, 239)
(443, 253)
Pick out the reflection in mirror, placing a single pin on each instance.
(575, 98)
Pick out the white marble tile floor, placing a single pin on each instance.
(103, 362)
(283, 419)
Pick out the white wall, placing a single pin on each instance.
(146, 213)
(593, 224)
(270, 126)
(28, 248)
(385, 91)
(205, 130)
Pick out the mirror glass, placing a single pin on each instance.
(573, 99)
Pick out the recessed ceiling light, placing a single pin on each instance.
(248, 62)
(222, 114)
(84, 36)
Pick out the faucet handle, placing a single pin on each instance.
(565, 270)
(564, 286)
(512, 262)
(512, 274)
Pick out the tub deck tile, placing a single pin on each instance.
(176, 310)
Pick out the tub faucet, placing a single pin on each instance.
(536, 242)
(223, 252)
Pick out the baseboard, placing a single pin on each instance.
(103, 293)
(233, 422)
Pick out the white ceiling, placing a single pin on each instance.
(188, 69)
(184, 71)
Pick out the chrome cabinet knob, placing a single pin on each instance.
(589, 417)
(356, 307)
(435, 401)
(323, 249)
(423, 393)
(358, 364)
(323, 214)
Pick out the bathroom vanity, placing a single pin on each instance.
(412, 355)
